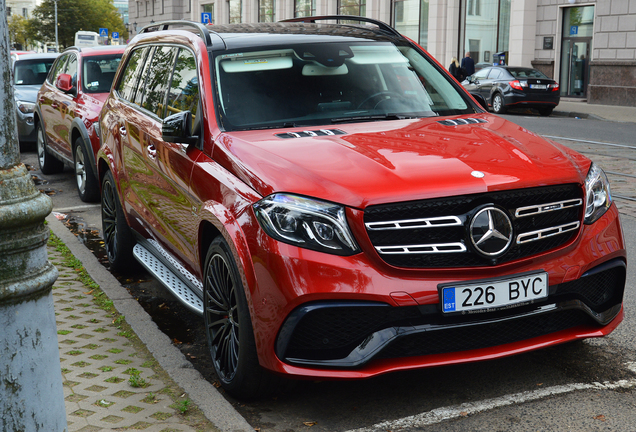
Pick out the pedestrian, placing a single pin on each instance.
(468, 64)
(456, 70)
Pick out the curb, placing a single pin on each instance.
(577, 114)
(211, 403)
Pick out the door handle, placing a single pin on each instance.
(122, 131)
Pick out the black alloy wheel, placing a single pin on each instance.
(229, 328)
(48, 163)
(117, 235)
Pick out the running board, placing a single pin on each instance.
(169, 279)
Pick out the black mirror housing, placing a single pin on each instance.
(177, 128)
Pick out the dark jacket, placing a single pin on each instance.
(468, 64)
(457, 72)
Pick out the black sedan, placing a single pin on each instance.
(514, 87)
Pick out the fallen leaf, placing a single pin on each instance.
(600, 417)
(310, 424)
(463, 413)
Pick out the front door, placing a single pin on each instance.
(576, 44)
(575, 66)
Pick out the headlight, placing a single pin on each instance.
(25, 107)
(598, 195)
(306, 223)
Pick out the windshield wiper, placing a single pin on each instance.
(366, 118)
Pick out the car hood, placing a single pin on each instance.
(27, 93)
(400, 160)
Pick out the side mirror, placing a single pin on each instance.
(480, 99)
(177, 128)
(64, 82)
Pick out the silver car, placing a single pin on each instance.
(29, 72)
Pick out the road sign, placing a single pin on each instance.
(206, 17)
(115, 35)
(103, 32)
(574, 30)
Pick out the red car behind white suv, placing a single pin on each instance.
(67, 110)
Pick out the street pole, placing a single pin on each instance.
(31, 392)
(57, 44)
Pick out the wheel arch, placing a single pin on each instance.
(78, 130)
(217, 220)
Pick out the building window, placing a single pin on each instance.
(486, 28)
(8, 11)
(235, 10)
(352, 7)
(209, 8)
(304, 8)
(266, 10)
(25, 12)
(410, 17)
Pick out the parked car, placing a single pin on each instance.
(29, 72)
(67, 110)
(506, 87)
(336, 206)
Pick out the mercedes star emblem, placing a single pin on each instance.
(491, 231)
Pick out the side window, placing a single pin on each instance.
(494, 74)
(57, 68)
(71, 68)
(141, 86)
(128, 82)
(157, 80)
(482, 73)
(184, 88)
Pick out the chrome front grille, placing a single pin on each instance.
(435, 233)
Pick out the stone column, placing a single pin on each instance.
(31, 394)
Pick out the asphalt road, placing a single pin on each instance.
(578, 386)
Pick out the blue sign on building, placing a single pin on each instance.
(206, 17)
(574, 30)
(103, 32)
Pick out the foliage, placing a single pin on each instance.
(19, 31)
(75, 15)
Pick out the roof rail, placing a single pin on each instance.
(200, 28)
(312, 19)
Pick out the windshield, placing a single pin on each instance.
(98, 72)
(319, 84)
(31, 72)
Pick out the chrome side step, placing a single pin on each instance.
(169, 279)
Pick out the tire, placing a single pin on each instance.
(87, 187)
(118, 238)
(545, 111)
(498, 104)
(229, 327)
(48, 163)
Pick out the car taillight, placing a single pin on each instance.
(519, 85)
(554, 87)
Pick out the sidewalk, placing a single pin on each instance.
(569, 107)
(119, 371)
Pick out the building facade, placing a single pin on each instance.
(589, 46)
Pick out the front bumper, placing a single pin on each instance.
(26, 127)
(353, 334)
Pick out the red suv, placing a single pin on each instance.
(67, 110)
(335, 205)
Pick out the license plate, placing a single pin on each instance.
(494, 294)
(538, 86)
